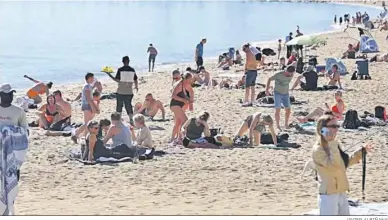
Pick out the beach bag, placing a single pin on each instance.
(266, 138)
(215, 131)
(292, 99)
(224, 141)
(380, 113)
(241, 141)
(351, 120)
(261, 95)
(267, 100)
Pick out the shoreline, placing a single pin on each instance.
(166, 67)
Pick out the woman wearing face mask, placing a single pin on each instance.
(331, 163)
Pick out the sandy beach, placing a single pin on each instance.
(251, 181)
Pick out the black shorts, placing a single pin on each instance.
(304, 87)
(258, 56)
(199, 61)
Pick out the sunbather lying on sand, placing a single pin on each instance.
(337, 109)
(104, 126)
(334, 77)
(228, 83)
(256, 125)
(379, 58)
(192, 131)
(150, 107)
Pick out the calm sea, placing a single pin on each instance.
(60, 41)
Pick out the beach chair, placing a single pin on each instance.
(363, 69)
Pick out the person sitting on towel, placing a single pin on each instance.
(143, 137)
(226, 61)
(311, 78)
(334, 77)
(350, 53)
(119, 133)
(238, 59)
(50, 113)
(337, 109)
(150, 107)
(256, 125)
(192, 131)
(95, 147)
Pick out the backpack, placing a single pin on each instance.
(351, 120)
(266, 138)
(380, 113)
(261, 95)
(267, 100)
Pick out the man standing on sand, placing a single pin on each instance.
(299, 47)
(38, 89)
(289, 47)
(125, 78)
(199, 53)
(281, 93)
(250, 75)
(151, 58)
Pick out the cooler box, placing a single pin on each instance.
(320, 68)
(363, 67)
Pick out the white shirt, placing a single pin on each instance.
(13, 115)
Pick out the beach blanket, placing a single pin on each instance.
(13, 150)
(266, 105)
(75, 154)
(311, 126)
(363, 209)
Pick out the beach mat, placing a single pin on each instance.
(362, 209)
(265, 105)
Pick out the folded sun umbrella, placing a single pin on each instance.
(305, 40)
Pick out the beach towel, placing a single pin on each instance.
(13, 150)
(362, 209)
(266, 105)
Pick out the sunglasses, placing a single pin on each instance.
(176, 78)
(333, 126)
(94, 128)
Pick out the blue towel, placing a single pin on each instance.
(13, 150)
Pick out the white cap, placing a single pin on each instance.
(6, 88)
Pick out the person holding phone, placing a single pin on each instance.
(331, 164)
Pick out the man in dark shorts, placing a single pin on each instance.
(251, 75)
(311, 78)
(289, 47)
(199, 53)
(151, 58)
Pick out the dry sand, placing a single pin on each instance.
(202, 181)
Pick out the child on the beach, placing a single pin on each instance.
(279, 47)
(143, 137)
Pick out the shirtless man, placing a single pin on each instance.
(38, 89)
(150, 107)
(205, 76)
(251, 74)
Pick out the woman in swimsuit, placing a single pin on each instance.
(256, 125)
(49, 113)
(337, 109)
(334, 77)
(179, 99)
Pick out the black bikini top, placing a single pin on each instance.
(51, 114)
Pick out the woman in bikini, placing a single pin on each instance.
(256, 125)
(334, 77)
(179, 99)
(176, 76)
(337, 109)
(49, 113)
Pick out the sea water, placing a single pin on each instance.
(60, 41)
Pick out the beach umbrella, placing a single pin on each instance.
(305, 40)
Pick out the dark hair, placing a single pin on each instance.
(115, 116)
(92, 123)
(149, 94)
(88, 76)
(201, 68)
(290, 69)
(49, 85)
(188, 69)
(57, 92)
(104, 122)
(125, 59)
(150, 45)
(186, 75)
(335, 66)
(96, 93)
(203, 39)
(176, 72)
(51, 95)
(204, 116)
(280, 40)
(290, 33)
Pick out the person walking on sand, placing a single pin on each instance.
(281, 93)
(88, 106)
(125, 77)
(38, 89)
(250, 76)
(279, 47)
(151, 57)
(199, 53)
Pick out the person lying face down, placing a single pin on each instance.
(337, 109)
(150, 107)
(255, 124)
(193, 129)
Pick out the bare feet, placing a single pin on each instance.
(302, 119)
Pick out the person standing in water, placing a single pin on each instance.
(199, 53)
(250, 75)
(125, 77)
(335, 19)
(151, 57)
(38, 89)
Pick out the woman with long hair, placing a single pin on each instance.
(331, 163)
(49, 112)
(182, 94)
